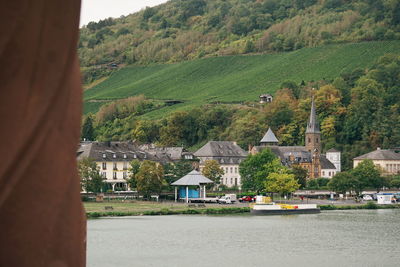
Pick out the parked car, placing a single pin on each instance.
(227, 199)
(367, 198)
(246, 199)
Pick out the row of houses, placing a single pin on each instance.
(113, 157)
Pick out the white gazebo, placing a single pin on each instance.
(194, 178)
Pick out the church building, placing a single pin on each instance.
(308, 156)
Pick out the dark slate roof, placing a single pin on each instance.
(326, 164)
(193, 178)
(297, 153)
(113, 151)
(174, 153)
(380, 154)
(269, 137)
(228, 160)
(221, 149)
(285, 153)
(332, 150)
(313, 125)
(119, 151)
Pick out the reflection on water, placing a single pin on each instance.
(333, 238)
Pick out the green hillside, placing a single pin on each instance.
(233, 79)
(181, 30)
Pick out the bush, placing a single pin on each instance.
(327, 207)
(370, 205)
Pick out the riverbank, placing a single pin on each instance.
(143, 208)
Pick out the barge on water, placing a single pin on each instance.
(264, 206)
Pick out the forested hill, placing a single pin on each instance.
(188, 29)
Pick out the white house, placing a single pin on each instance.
(228, 154)
(387, 160)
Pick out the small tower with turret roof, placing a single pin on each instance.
(269, 139)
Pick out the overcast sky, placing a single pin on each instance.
(95, 10)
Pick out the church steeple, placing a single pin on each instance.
(313, 133)
(313, 125)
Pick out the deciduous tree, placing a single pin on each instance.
(281, 182)
(149, 178)
(91, 180)
(212, 170)
(254, 169)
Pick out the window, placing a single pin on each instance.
(309, 140)
(114, 155)
(236, 169)
(317, 141)
(236, 181)
(231, 180)
(115, 166)
(125, 165)
(134, 156)
(104, 156)
(231, 170)
(114, 175)
(323, 173)
(104, 165)
(226, 170)
(124, 156)
(124, 175)
(104, 175)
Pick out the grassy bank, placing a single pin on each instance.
(141, 208)
(368, 206)
(138, 208)
(165, 211)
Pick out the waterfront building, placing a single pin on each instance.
(387, 160)
(308, 156)
(228, 154)
(113, 158)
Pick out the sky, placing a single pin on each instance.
(95, 10)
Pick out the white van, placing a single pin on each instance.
(227, 199)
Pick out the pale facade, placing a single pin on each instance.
(388, 167)
(334, 156)
(115, 173)
(113, 158)
(328, 173)
(387, 160)
(229, 156)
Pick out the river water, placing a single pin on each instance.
(332, 238)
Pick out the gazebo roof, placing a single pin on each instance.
(193, 178)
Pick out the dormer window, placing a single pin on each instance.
(104, 155)
(134, 156)
(124, 156)
(114, 156)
